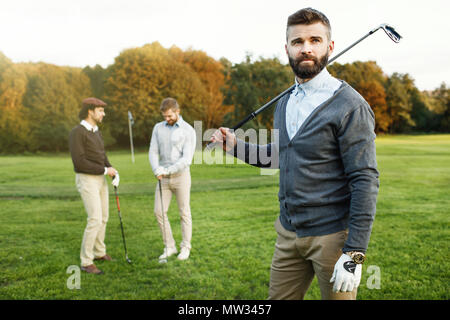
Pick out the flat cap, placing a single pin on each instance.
(94, 101)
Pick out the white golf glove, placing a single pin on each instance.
(115, 181)
(171, 169)
(161, 171)
(346, 274)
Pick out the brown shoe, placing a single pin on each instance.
(92, 269)
(104, 258)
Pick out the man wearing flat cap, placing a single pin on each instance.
(91, 166)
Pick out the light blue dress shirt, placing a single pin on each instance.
(172, 147)
(308, 96)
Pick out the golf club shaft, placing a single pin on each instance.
(163, 217)
(121, 224)
(352, 45)
(265, 106)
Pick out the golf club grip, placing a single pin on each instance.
(244, 121)
(254, 114)
(117, 197)
(264, 107)
(118, 203)
(240, 124)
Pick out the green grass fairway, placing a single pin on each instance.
(233, 208)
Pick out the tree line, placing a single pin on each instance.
(39, 102)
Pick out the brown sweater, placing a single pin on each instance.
(88, 151)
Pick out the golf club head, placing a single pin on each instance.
(390, 31)
(162, 261)
(128, 260)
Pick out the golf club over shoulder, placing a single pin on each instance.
(390, 32)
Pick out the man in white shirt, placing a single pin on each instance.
(171, 151)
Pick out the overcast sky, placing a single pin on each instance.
(89, 32)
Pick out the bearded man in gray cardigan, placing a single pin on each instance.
(328, 170)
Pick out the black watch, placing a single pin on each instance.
(357, 257)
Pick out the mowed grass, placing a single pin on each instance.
(233, 208)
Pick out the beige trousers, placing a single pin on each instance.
(296, 261)
(178, 184)
(94, 193)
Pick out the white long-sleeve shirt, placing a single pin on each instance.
(171, 147)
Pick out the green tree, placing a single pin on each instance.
(442, 98)
(39, 105)
(424, 119)
(252, 84)
(97, 76)
(14, 125)
(399, 104)
(52, 101)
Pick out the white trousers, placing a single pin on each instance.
(94, 193)
(180, 185)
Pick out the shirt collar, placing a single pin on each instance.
(88, 126)
(308, 88)
(178, 123)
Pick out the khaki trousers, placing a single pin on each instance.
(94, 193)
(296, 261)
(178, 184)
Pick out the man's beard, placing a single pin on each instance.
(308, 71)
(97, 120)
(171, 122)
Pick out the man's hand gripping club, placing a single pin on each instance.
(225, 137)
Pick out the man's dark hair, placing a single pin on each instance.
(90, 104)
(308, 16)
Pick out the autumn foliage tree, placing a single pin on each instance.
(375, 95)
(211, 74)
(140, 79)
(369, 80)
(39, 102)
(400, 106)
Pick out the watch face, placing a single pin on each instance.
(358, 258)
